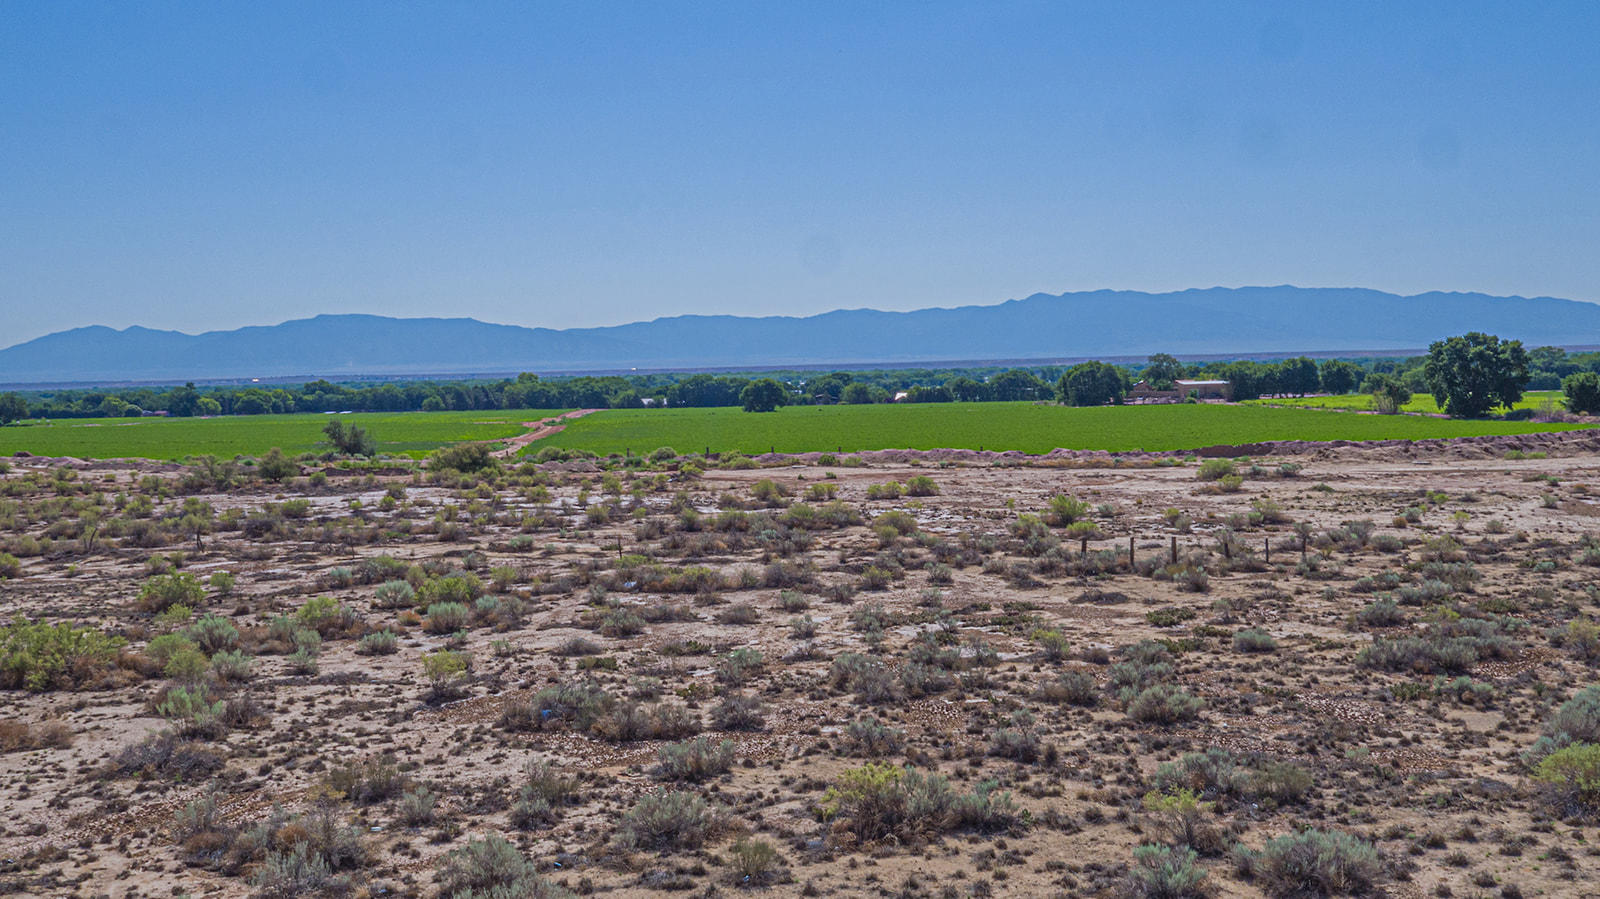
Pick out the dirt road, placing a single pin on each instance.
(541, 429)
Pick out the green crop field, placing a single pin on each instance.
(1421, 402)
(995, 426)
(410, 433)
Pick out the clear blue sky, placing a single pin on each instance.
(210, 165)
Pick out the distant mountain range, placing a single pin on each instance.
(1092, 324)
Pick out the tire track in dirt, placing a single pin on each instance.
(541, 430)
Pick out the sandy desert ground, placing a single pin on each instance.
(779, 678)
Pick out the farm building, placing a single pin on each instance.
(1143, 392)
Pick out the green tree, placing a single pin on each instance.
(1297, 376)
(1018, 384)
(183, 400)
(1389, 394)
(1161, 370)
(762, 395)
(352, 441)
(1339, 376)
(1583, 392)
(1092, 384)
(12, 408)
(1473, 373)
(858, 394)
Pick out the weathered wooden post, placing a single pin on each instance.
(1130, 552)
(1174, 549)
(1266, 549)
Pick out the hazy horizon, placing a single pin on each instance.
(199, 168)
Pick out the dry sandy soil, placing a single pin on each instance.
(952, 621)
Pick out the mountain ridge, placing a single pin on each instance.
(1099, 323)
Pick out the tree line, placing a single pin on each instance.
(1392, 380)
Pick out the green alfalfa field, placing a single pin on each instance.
(397, 433)
(1029, 427)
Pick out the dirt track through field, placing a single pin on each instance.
(541, 430)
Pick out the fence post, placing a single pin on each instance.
(1174, 549)
(1130, 552)
(1266, 549)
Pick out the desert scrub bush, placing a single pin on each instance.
(164, 590)
(872, 738)
(416, 807)
(739, 665)
(492, 868)
(1254, 640)
(1215, 469)
(1382, 613)
(738, 712)
(1184, 818)
(37, 656)
(1052, 644)
(1452, 645)
(444, 669)
(462, 587)
(1166, 872)
(327, 616)
(1313, 863)
(378, 643)
(1576, 721)
(16, 736)
(620, 622)
(1074, 687)
(213, 634)
(1064, 510)
(667, 820)
(889, 490)
(629, 721)
(366, 782)
(446, 618)
(232, 666)
(754, 863)
(1581, 637)
(1164, 704)
(921, 485)
(1571, 779)
(695, 760)
(1018, 742)
(1169, 617)
(394, 595)
(769, 493)
(193, 711)
(576, 705)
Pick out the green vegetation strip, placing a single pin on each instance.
(995, 426)
(410, 433)
(1420, 402)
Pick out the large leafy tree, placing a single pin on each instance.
(1473, 373)
(1092, 384)
(1297, 376)
(1161, 370)
(1339, 376)
(1389, 393)
(763, 395)
(1583, 392)
(1018, 384)
(12, 408)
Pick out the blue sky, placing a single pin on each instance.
(201, 166)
